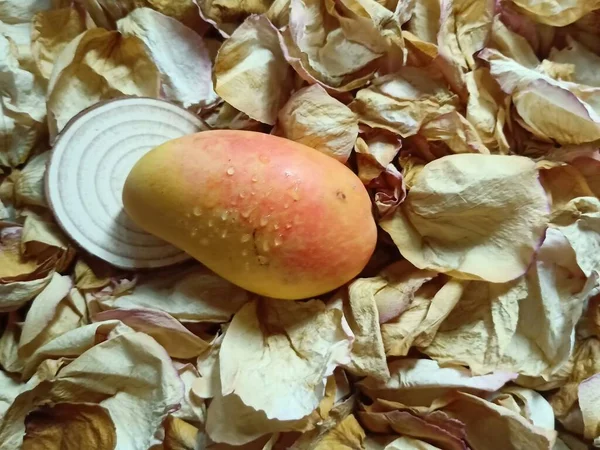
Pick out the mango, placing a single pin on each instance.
(270, 215)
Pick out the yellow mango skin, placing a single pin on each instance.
(273, 216)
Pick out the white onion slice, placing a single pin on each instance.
(87, 170)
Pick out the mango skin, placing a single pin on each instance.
(268, 214)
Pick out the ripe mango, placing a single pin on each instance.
(271, 215)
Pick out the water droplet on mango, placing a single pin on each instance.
(230, 171)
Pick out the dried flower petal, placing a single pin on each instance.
(180, 435)
(177, 340)
(231, 421)
(504, 428)
(251, 61)
(137, 400)
(485, 109)
(367, 356)
(418, 324)
(589, 402)
(531, 405)
(317, 120)
(38, 327)
(374, 152)
(52, 31)
(556, 12)
(512, 44)
(507, 213)
(347, 435)
(15, 294)
(465, 27)
(29, 187)
(583, 60)
(579, 223)
(22, 109)
(98, 65)
(318, 48)
(425, 21)
(402, 102)
(226, 16)
(455, 131)
(193, 294)
(525, 325)
(420, 381)
(186, 73)
(306, 339)
(70, 426)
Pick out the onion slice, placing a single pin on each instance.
(90, 161)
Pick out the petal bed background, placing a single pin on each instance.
(475, 126)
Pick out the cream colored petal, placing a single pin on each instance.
(540, 106)
(193, 409)
(133, 378)
(177, 340)
(423, 380)
(22, 11)
(374, 152)
(314, 118)
(274, 348)
(347, 435)
(402, 102)
(186, 72)
(99, 65)
(51, 31)
(70, 426)
(425, 21)
(556, 12)
(582, 59)
(227, 15)
(23, 94)
(503, 428)
(456, 132)
(192, 294)
(579, 223)
(465, 28)
(525, 325)
(360, 309)
(9, 345)
(15, 294)
(251, 61)
(72, 343)
(512, 45)
(418, 324)
(42, 311)
(483, 208)
(531, 405)
(29, 188)
(589, 402)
